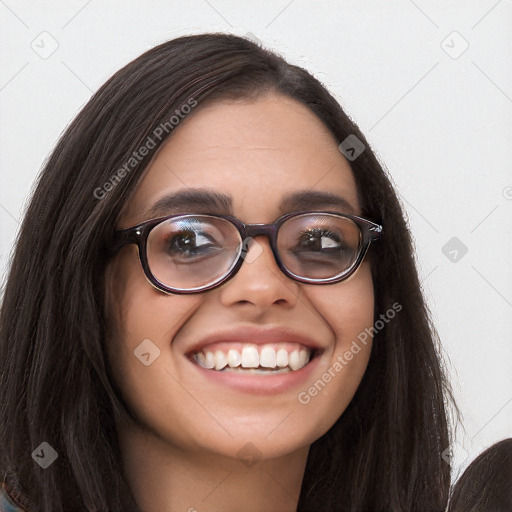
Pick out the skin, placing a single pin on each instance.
(181, 453)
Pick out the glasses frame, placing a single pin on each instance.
(138, 235)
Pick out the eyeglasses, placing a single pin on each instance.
(192, 253)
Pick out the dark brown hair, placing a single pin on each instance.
(486, 484)
(385, 451)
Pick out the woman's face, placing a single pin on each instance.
(258, 153)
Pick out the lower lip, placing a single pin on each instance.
(260, 384)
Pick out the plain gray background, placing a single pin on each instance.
(430, 85)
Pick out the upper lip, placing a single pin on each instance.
(256, 335)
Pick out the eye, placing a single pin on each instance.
(188, 243)
(318, 240)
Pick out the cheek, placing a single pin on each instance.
(142, 324)
(137, 309)
(348, 309)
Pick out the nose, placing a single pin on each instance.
(259, 281)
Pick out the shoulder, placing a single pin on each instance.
(6, 502)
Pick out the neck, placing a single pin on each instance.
(166, 478)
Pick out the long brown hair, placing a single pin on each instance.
(385, 451)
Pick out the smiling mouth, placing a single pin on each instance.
(249, 358)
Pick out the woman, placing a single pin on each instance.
(174, 354)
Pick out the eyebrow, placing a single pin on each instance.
(208, 201)
(315, 200)
(192, 200)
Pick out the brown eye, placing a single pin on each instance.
(188, 243)
(318, 240)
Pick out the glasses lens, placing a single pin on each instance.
(192, 251)
(319, 246)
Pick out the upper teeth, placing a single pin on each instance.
(249, 357)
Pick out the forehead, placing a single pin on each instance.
(258, 153)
